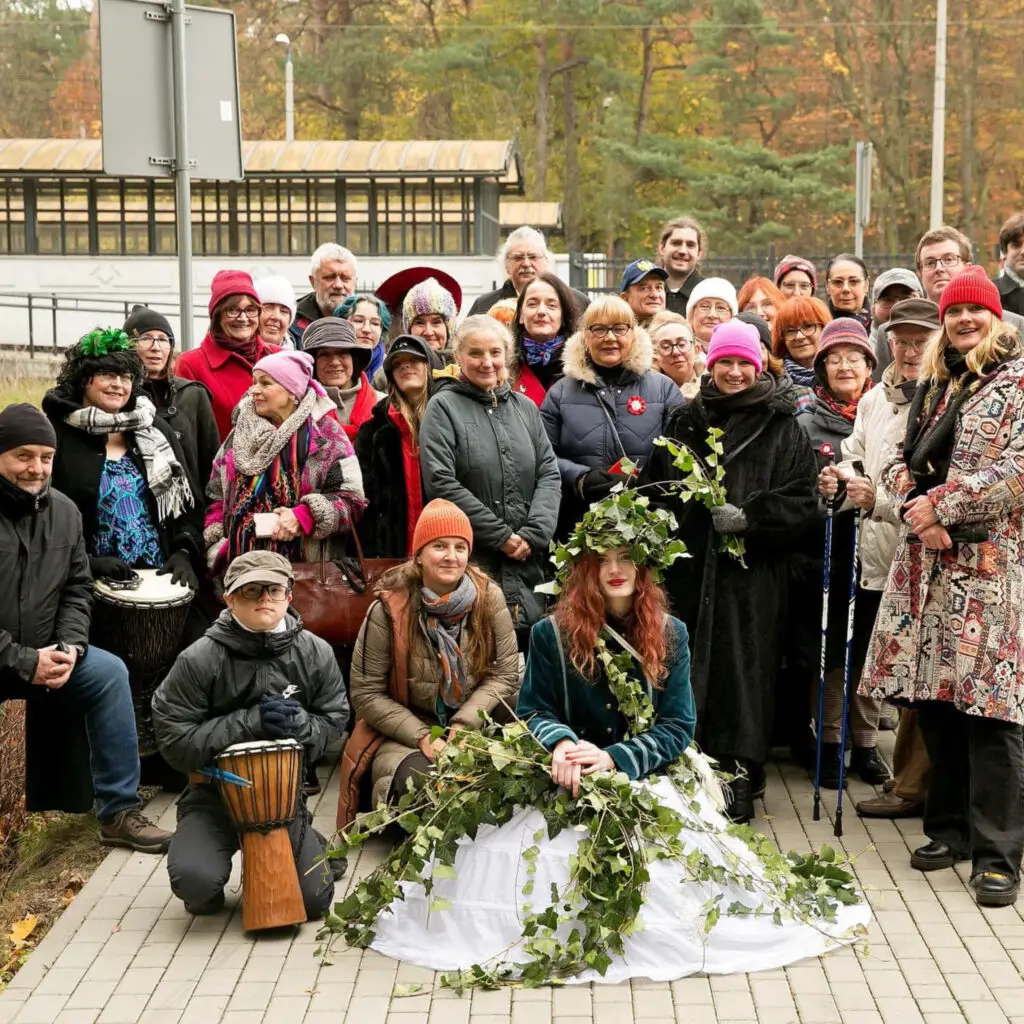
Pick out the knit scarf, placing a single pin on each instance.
(268, 461)
(862, 315)
(848, 410)
(165, 476)
(443, 617)
(541, 352)
(802, 375)
(249, 350)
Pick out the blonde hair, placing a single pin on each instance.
(610, 309)
(1002, 342)
(483, 323)
(666, 317)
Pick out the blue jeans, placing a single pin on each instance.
(99, 686)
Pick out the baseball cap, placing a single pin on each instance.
(638, 270)
(896, 275)
(258, 567)
(917, 312)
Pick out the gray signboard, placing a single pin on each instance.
(136, 80)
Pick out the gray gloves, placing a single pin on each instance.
(728, 518)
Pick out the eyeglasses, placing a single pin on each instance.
(846, 282)
(908, 343)
(149, 341)
(807, 330)
(666, 348)
(707, 306)
(109, 377)
(361, 321)
(853, 360)
(950, 260)
(603, 330)
(254, 591)
(240, 312)
(523, 257)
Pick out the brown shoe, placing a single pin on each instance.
(132, 829)
(889, 806)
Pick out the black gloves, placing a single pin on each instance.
(595, 485)
(104, 567)
(728, 518)
(180, 568)
(284, 718)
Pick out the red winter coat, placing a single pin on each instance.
(226, 375)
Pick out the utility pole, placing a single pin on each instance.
(862, 211)
(939, 117)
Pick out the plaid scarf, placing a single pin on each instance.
(165, 476)
(443, 617)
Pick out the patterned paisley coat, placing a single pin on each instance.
(950, 625)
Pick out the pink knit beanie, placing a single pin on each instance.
(292, 370)
(736, 340)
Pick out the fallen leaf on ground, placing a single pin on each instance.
(21, 930)
(411, 989)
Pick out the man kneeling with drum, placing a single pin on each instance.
(238, 710)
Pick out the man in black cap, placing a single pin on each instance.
(256, 675)
(643, 288)
(45, 657)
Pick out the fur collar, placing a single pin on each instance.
(577, 366)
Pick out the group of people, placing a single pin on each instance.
(460, 449)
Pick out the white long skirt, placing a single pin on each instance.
(485, 922)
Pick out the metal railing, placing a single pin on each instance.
(596, 273)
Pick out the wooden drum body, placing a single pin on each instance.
(262, 812)
(141, 621)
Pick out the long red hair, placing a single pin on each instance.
(580, 614)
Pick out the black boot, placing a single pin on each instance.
(741, 807)
(868, 764)
(994, 889)
(830, 754)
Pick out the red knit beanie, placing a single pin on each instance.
(972, 286)
(441, 518)
(231, 282)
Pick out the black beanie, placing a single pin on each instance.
(25, 424)
(142, 319)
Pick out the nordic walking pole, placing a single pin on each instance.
(837, 829)
(827, 451)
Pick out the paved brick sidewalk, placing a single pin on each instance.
(125, 951)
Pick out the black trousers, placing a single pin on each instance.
(975, 802)
(199, 857)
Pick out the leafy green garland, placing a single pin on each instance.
(487, 775)
(703, 477)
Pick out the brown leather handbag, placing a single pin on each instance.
(333, 595)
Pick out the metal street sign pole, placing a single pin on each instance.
(862, 212)
(939, 118)
(182, 181)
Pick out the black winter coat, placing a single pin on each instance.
(675, 302)
(78, 469)
(189, 414)
(488, 453)
(45, 569)
(735, 616)
(1011, 294)
(383, 526)
(508, 291)
(210, 699)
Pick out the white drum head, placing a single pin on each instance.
(238, 748)
(152, 590)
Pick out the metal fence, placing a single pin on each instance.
(595, 272)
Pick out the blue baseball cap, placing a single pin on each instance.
(638, 270)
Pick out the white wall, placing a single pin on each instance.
(109, 283)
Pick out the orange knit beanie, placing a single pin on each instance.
(441, 518)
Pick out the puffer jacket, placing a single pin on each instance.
(877, 434)
(487, 452)
(210, 699)
(403, 725)
(578, 426)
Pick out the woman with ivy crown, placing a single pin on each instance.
(625, 867)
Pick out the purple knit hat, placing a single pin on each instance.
(844, 330)
(292, 370)
(736, 340)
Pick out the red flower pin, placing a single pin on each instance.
(635, 405)
(827, 450)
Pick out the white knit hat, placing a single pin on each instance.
(277, 289)
(709, 288)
